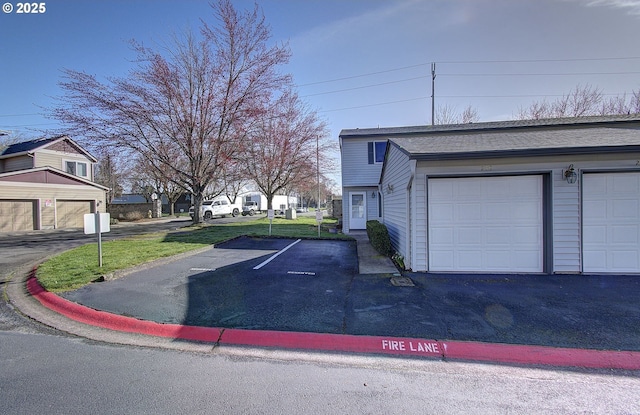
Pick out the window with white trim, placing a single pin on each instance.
(77, 168)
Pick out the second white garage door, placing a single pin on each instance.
(611, 222)
(71, 213)
(486, 224)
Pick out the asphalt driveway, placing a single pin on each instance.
(314, 286)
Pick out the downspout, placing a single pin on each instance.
(410, 215)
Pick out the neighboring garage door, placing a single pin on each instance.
(486, 224)
(16, 215)
(71, 213)
(611, 222)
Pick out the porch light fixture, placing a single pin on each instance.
(570, 175)
(389, 188)
(373, 195)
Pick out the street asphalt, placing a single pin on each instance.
(311, 288)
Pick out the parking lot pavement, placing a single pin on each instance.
(314, 286)
(300, 289)
(574, 311)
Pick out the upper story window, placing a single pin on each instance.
(376, 151)
(77, 168)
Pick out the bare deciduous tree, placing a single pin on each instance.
(284, 148)
(583, 100)
(184, 111)
(447, 114)
(110, 174)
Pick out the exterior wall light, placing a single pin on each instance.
(389, 188)
(570, 175)
(373, 195)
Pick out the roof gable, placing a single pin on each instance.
(61, 143)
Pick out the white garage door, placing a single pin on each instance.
(486, 224)
(71, 213)
(611, 222)
(16, 215)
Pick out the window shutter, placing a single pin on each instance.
(370, 145)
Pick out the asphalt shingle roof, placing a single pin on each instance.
(30, 145)
(528, 137)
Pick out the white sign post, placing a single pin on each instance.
(97, 223)
(319, 219)
(270, 215)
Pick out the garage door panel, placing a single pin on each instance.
(465, 191)
(442, 190)
(443, 236)
(443, 212)
(526, 235)
(621, 234)
(623, 183)
(497, 211)
(504, 217)
(624, 209)
(468, 211)
(467, 260)
(497, 235)
(611, 222)
(469, 236)
(442, 260)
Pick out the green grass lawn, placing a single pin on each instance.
(77, 267)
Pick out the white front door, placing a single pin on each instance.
(611, 222)
(357, 210)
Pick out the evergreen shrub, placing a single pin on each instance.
(379, 237)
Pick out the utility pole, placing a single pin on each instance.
(433, 92)
(318, 211)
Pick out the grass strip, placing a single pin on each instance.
(79, 266)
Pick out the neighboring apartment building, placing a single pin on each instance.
(47, 183)
(533, 196)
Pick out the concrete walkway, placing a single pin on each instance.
(371, 261)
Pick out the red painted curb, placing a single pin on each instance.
(542, 355)
(333, 342)
(398, 346)
(116, 322)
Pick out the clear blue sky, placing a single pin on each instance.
(360, 63)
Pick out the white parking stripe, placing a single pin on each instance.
(202, 269)
(272, 257)
(301, 273)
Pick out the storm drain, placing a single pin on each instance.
(402, 282)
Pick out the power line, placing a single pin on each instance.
(470, 75)
(541, 74)
(375, 105)
(363, 75)
(365, 86)
(450, 96)
(18, 115)
(471, 62)
(543, 60)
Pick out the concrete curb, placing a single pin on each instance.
(427, 348)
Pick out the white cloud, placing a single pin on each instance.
(631, 6)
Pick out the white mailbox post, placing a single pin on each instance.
(97, 223)
(270, 215)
